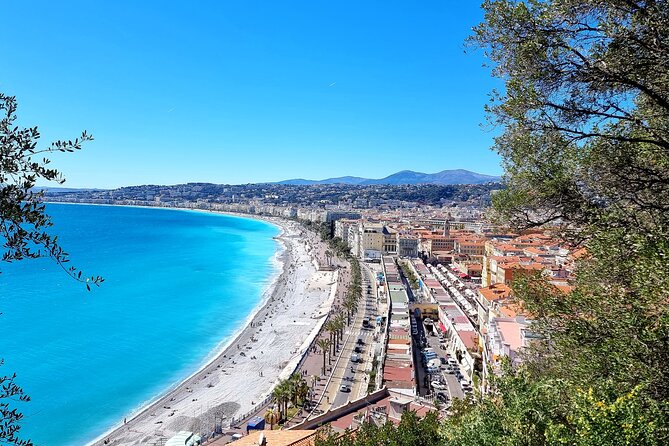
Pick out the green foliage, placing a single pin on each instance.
(586, 116)
(411, 431)
(23, 222)
(585, 113)
(293, 390)
(9, 417)
(371, 386)
(340, 247)
(525, 410)
(24, 225)
(410, 276)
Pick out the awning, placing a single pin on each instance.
(442, 328)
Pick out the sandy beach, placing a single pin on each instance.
(244, 373)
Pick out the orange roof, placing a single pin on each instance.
(579, 253)
(505, 258)
(391, 373)
(566, 289)
(512, 309)
(274, 438)
(496, 292)
(521, 266)
(469, 338)
(508, 247)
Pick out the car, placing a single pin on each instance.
(441, 396)
(357, 349)
(360, 341)
(355, 358)
(443, 360)
(344, 388)
(438, 385)
(452, 361)
(459, 375)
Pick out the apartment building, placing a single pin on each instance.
(407, 245)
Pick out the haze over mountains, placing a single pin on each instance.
(457, 176)
(404, 177)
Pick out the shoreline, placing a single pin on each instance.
(156, 418)
(216, 353)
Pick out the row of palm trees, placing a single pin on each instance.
(340, 317)
(294, 391)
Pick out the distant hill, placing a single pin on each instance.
(55, 190)
(457, 176)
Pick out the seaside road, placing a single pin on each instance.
(370, 293)
(354, 374)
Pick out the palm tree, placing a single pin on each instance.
(293, 382)
(297, 385)
(272, 416)
(281, 396)
(350, 304)
(331, 328)
(338, 323)
(302, 391)
(324, 344)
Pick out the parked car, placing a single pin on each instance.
(443, 397)
(438, 385)
(344, 388)
(465, 384)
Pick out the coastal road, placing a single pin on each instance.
(346, 372)
(352, 374)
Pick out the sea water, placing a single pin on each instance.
(178, 285)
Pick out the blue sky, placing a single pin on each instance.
(250, 91)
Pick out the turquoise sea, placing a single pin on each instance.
(178, 285)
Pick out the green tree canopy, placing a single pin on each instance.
(585, 146)
(24, 225)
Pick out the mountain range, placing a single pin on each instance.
(457, 176)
